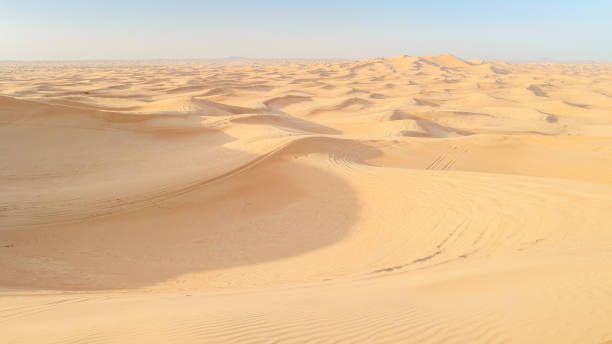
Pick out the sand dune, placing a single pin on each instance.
(392, 200)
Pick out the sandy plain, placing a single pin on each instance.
(392, 200)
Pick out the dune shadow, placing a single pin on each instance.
(354, 102)
(282, 204)
(537, 91)
(429, 127)
(283, 120)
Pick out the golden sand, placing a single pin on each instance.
(398, 200)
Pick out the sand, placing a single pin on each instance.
(392, 200)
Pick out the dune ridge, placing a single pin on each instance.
(392, 200)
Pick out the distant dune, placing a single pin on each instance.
(392, 200)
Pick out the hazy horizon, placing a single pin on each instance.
(274, 59)
(555, 31)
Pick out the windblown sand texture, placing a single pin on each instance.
(398, 200)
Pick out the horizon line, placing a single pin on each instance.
(245, 58)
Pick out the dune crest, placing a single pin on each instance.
(445, 60)
(390, 200)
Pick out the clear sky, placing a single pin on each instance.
(558, 30)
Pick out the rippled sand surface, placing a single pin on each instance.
(397, 200)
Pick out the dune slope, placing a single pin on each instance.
(394, 200)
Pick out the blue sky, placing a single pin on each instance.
(509, 30)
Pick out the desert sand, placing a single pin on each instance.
(392, 200)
